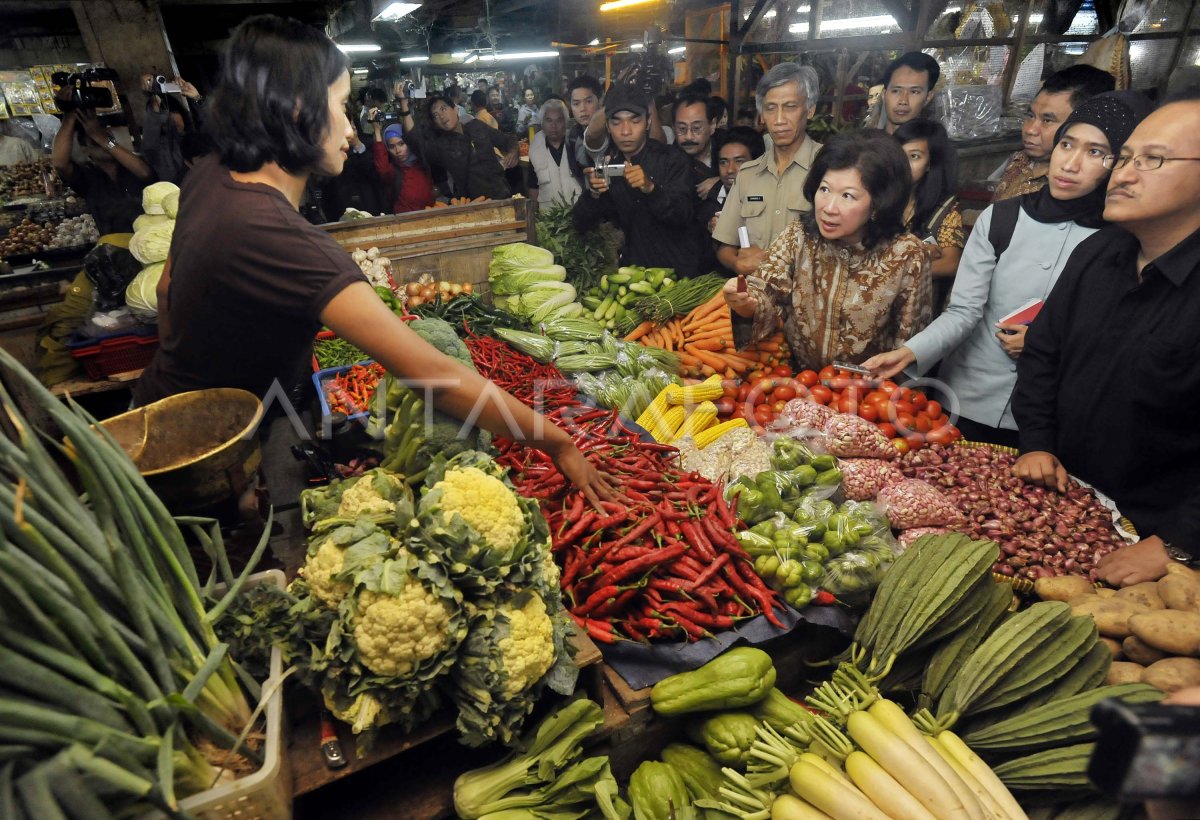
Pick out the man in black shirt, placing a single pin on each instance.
(1111, 368)
(112, 179)
(653, 200)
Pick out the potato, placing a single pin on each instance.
(1145, 594)
(1180, 590)
(1176, 633)
(1111, 614)
(1064, 588)
(1138, 651)
(1122, 672)
(1173, 674)
(1114, 647)
(1105, 592)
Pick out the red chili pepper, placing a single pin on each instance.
(604, 593)
(711, 570)
(637, 565)
(824, 598)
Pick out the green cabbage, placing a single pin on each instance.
(141, 295)
(152, 196)
(540, 301)
(517, 257)
(170, 204)
(153, 244)
(147, 220)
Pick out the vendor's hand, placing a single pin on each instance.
(749, 259)
(401, 90)
(1012, 338)
(92, 127)
(1040, 467)
(510, 160)
(707, 185)
(1146, 560)
(598, 181)
(743, 304)
(596, 486)
(187, 89)
(886, 365)
(635, 175)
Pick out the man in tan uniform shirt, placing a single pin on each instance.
(769, 191)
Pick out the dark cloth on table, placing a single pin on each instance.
(468, 158)
(249, 280)
(114, 204)
(1108, 374)
(978, 431)
(658, 226)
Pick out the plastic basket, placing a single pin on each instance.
(323, 377)
(267, 793)
(110, 355)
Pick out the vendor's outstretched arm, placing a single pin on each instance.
(359, 316)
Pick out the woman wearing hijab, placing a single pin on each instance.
(399, 170)
(976, 348)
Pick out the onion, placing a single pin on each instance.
(467, 287)
(416, 301)
(429, 293)
(412, 289)
(443, 286)
(456, 289)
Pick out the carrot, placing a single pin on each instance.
(711, 345)
(688, 359)
(640, 331)
(714, 332)
(768, 346)
(707, 371)
(707, 359)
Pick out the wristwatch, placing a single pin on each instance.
(111, 144)
(1177, 554)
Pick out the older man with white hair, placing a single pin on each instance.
(552, 182)
(768, 193)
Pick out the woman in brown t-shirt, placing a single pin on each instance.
(249, 281)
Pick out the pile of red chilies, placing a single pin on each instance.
(663, 566)
(540, 386)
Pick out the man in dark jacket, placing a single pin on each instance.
(652, 198)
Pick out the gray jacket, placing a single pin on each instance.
(975, 367)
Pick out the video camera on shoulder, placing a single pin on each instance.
(83, 94)
(1146, 751)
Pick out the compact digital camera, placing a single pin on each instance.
(83, 94)
(164, 87)
(1146, 751)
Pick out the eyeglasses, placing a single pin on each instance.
(698, 129)
(1142, 162)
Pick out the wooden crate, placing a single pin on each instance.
(453, 243)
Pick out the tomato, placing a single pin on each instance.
(915, 441)
(888, 429)
(904, 423)
(855, 392)
(940, 435)
(784, 393)
(955, 433)
(730, 387)
(870, 412)
(905, 407)
(933, 409)
(764, 386)
(888, 386)
(782, 372)
(879, 398)
(923, 425)
(827, 372)
(900, 444)
(940, 422)
(743, 391)
(744, 411)
(919, 400)
(777, 407)
(821, 394)
(725, 406)
(754, 375)
(763, 414)
(808, 377)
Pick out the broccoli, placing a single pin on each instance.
(441, 335)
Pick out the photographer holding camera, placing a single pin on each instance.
(167, 121)
(645, 187)
(112, 179)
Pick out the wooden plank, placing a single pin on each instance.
(634, 700)
(86, 387)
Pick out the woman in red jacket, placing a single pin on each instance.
(400, 171)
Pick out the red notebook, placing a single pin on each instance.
(1025, 314)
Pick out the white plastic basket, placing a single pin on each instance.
(267, 793)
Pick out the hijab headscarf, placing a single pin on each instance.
(1116, 114)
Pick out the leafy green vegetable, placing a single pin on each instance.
(585, 254)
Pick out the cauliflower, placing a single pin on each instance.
(319, 570)
(396, 632)
(528, 649)
(364, 497)
(363, 712)
(485, 503)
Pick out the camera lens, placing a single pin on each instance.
(160, 79)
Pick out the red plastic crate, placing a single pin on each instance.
(119, 354)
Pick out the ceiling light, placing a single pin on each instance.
(351, 48)
(847, 24)
(636, 47)
(614, 5)
(524, 55)
(769, 15)
(595, 41)
(677, 50)
(395, 11)
(362, 71)
(472, 58)
(414, 59)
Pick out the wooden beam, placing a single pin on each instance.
(1014, 61)
(901, 11)
(755, 13)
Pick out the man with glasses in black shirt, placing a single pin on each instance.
(1110, 374)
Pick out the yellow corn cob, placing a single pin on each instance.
(707, 390)
(670, 421)
(707, 437)
(656, 408)
(700, 419)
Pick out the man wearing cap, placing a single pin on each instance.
(652, 198)
(1110, 367)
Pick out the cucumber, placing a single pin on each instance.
(611, 312)
(603, 308)
(604, 282)
(619, 278)
(591, 302)
(644, 288)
